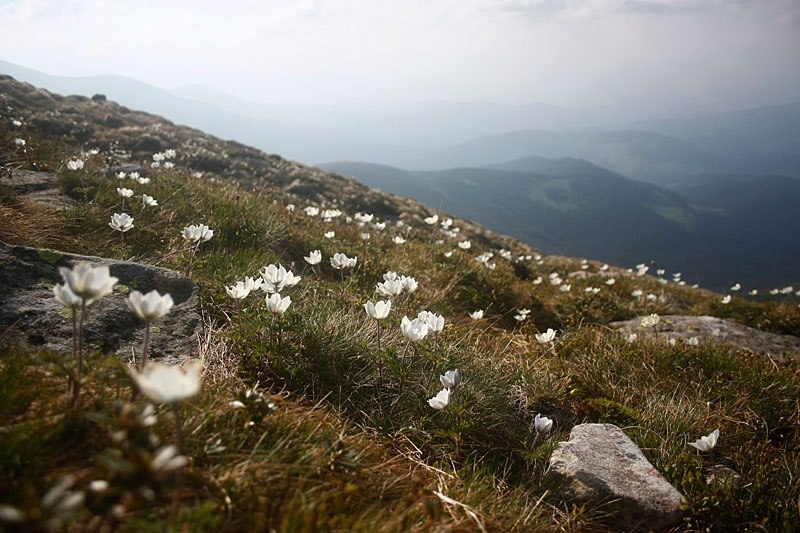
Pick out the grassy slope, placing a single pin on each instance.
(349, 451)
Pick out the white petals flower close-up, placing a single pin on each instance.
(169, 383)
(379, 310)
(276, 278)
(278, 305)
(66, 297)
(450, 379)
(547, 337)
(239, 291)
(340, 261)
(197, 233)
(87, 282)
(149, 201)
(476, 315)
(313, 258)
(650, 321)
(435, 322)
(706, 443)
(75, 164)
(390, 288)
(150, 306)
(122, 222)
(125, 193)
(414, 330)
(542, 425)
(441, 400)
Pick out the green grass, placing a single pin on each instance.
(351, 443)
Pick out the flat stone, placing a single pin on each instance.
(600, 463)
(30, 314)
(712, 330)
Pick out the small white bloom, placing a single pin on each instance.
(329, 234)
(450, 379)
(390, 288)
(87, 282)
(476, 315)
(542, 424)
(167, 458)
(378, 310)
(414, 330)
(611, 281)
(736, 287)
(169, 383)
(150, 306)
(431, 220)
(125, 193)
(650, 320)
(632, 337)
(693, 341)
(314, 257)
(340, 261)
(121, 222)
(121, 175)
(726, 299)
(149, 201)
(239, 291)
(706, 443)
(435, 322)
(198, 233)
(441, 400)
(538, 280)
(565, 288)
(465, 245)
(276, 304)
(398, 240)
(547, 337)
(76, 164)
(66, 297)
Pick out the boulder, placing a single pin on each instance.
(600, 463)
(712, 330)
(30, 314)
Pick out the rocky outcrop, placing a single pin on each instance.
(709, 329)
(600, 463)
(29, 310)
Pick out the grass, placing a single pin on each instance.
(335, 443)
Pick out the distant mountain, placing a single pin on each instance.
(714, 233)
(762, 141)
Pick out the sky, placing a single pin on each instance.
(671, 54)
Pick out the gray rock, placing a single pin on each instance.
(712, 330)
(30, 314)
(600, 463)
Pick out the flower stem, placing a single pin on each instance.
(79, 373)
(145, 347)
(71, 379)
(380, 358)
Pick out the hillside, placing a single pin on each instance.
(303, 408)
(573, 207)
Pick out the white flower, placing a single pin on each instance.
(253, 284)
(76, 164)
(149, 201)
(290, 207)
(121, 222)
(169, 383)
(169, 164)
(121, 175)
(125, 193)
(641, 270)
(198, 233)
(239, 291)
(66, 297)
(98, 485)
(311, 211)
(611, 281)
(365, 236)
(364, 217)
(167, 458)
(726, 299)
(170, 153)
(542, 424)
(414, 330)
(87, 282)
(390, 276)
(435, 322)
(16, 123)
(693, 341)
(21, 142)
(546, 337)
(736, 287)
(378, 310)
(441, 400)
(431, 220)
(565, 288)
(450, 379)
(314, 257)
(707, 443)
(754, 292)
(159, 157)
(276, 277)
(398, 239)
(651, 297)
(390, 288)
(340, 261)
(632, 337)
(329, 234)
(537, 281)
(409, 283)
(650, 320)
(133, 175)
(465, 245)
(276, 304)
(150, 306)
(143, 181)
(476, 315)
(448, 254)
(637, 293)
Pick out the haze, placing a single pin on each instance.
(634, 58)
